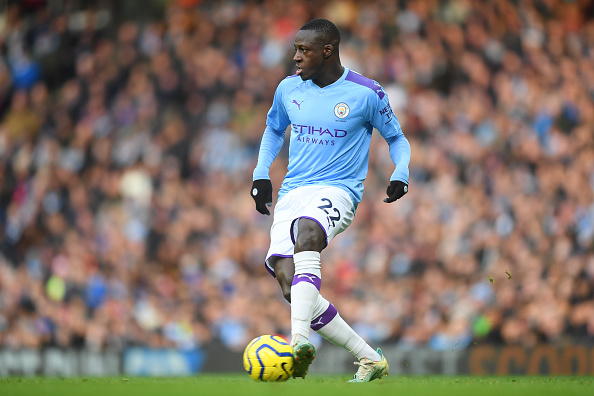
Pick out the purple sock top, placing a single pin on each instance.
(325, 318)
(309, 278)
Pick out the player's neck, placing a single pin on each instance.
(330, 77)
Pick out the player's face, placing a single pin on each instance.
(309, 56)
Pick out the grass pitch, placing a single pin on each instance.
(240, 384)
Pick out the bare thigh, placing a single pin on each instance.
(310, 237)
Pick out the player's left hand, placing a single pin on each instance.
(396, 190)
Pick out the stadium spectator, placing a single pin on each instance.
(121, 162)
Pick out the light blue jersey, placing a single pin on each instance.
(330, 133)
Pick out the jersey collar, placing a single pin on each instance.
(334, 84)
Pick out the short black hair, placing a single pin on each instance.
(325, 28)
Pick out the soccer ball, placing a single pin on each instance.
(268, 358)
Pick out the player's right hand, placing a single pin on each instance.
(262, 194)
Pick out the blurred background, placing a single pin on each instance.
(128, 135)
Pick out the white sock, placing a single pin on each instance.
(338, 332)
(304, 293)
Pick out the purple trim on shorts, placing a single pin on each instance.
(324, 318)
(268, 268)
(306, 217)
(309, 278)
(366, 82)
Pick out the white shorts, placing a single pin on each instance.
(330, 207)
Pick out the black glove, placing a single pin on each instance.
(396, 190)
(262, 194)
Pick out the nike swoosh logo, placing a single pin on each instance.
(283, 364)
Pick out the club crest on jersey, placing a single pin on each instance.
(341, 110)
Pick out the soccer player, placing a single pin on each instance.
(332, 112)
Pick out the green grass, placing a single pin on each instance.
(327, 385)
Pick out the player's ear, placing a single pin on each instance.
(328, 51)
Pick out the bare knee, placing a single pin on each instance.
(286, 293)
(310, 236)
(284, 270)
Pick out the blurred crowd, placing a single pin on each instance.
(127, 150)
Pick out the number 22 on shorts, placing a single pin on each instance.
(326, 207)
